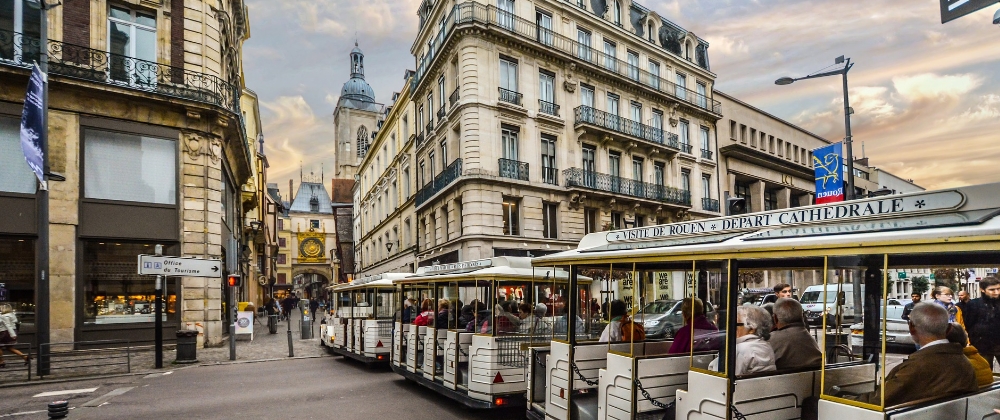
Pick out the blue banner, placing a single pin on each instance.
(828, 164)
(32, 125)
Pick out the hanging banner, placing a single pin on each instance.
(829, 173)
(32, 125)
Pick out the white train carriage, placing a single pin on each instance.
(848, 247)
(360, 324)
(458, 334)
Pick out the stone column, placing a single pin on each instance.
(757, 196)
(64, 199)
(806, 199)
(784, 198)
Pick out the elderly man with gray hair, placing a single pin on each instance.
(793, 347)
(938, 369)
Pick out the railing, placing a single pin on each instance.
(513, 169)
(430, 125)
(471, 13)
(441, 113)
(548, 108)
(443, 179)
(576, 177)
(419, 138)
(710, 204)
(453, 99)
(588, 115)
(103, 67)
(15, 368)
(510, 96)
(550, 175)
(98, 358)
(706, 154)
(686, 148)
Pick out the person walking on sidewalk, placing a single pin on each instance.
(287, 305)
(8, 334)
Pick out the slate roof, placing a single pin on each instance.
(304, 197)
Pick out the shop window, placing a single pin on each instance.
(129, 167)
(17, 277)
(511, 219)
(114, 293)
(15, 174)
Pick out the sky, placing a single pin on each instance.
(926, 96)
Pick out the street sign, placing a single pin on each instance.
(954, 9)
(179, 267)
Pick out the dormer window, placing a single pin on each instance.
(649, 31)
(616, 10)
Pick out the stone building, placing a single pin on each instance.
(355, 119)
(538, 122)
(307, 240)
(147, 127)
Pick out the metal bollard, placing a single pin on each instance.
(306, 327)
(58, 409)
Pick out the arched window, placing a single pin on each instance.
(650, 32)
(362, 141)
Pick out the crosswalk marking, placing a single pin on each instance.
(65, 392)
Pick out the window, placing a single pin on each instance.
(684, 137)
(635, 112)
(508, 75)
(441, 97)
(702, 98)
(114, 292)
(543, 21)
(282, 242)
(16, 16)
(282, 258)
(511, 225)
(420, 118)
(640, 221)
(742, 190)
(129, 167)
(282, 278)
(616, 10)
(614, 163)
(314, 224)
(795, 153)
(610, 56)
(15, 174)
(583, 44)
(781, 147)
(132, 36)
(637, 169)
(546, 92)
(763, 141)
(633, 65)
(458, 217)
(587, 96)
(406, 233)
(508, 136)
(654, 74)
(444, 154)
(770, 200)
(616, 220)
(658, 171)
(406, 182)
(705, 140)
(431, 160)
(590, 220)
(281, 224)
(686, 180)
(657, 123)
(505, 13)
(422, 175)
(770, 144)
(613, 106)
(589, 166)
(549, 159)
(681, 86)
(549, 227)
(706, 186)
(444, 222)
(430, 109)
(753, 137)
(732, 130)
(649, 32)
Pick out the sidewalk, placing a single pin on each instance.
(263, 347)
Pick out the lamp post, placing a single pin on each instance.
(847, 114)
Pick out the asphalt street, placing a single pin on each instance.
(318, 388)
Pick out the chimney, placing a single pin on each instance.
(291, 192)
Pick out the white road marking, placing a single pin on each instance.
(65, 392)
(104, 399)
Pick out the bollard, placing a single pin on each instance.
(187, 346)
(306, 327)
(58, 409)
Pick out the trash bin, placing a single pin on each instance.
(187, 346)
(272, 323)
(306, 327)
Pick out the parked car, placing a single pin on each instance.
(661, 318)
(897, 330)
(819, 301)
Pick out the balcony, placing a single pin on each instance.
(510, 96)
(473, 13)
(419, 138)
(550, 175)
(604, 183)
(430, 125)
(710, 204)
(442, 180)
(453, 99)
(686, 148)
(588, 115)
(441, 113)
(548, 108)
(706, 154)
(513, 169)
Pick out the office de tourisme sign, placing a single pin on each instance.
(852, 210)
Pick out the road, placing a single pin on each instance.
(318, 388)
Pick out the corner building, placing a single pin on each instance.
(539, 122)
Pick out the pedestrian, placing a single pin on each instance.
(287, 305)
(909, 306)
(963, 299)
(943, 296)
(8, 334)
(982, 320)
(313, 306)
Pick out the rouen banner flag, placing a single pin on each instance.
(32, 129)
(829, 173)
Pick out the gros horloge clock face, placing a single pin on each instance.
(311, 248)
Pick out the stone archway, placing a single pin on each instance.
(311, 282)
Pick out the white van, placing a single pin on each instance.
(817, 301)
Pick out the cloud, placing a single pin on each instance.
(932, 86)
(728, 46)
(294, 136)
(369, 19)
(987, 109)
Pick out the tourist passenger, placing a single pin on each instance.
(753, 354)
(793, 346)
(693, 313)
(982, 319)
(426, 316)
(984, 372)
(943, 296)
(441, 320)
(938, 369)
(534, 323)
(613, 332)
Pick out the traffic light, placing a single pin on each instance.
(233, 280)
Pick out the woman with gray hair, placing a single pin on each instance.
(753, 354)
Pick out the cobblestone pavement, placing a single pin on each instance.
(142, 359)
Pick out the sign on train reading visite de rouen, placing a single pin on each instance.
(829, 173)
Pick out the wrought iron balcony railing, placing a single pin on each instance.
(453, 99)
(92, 65)
(686, 148)
(430, 125)
(441, 113)
(710, 204)
(419, 138)
(576, 177)
(589, 115)
(706, 154)
(442, 180)
(513, 169)
(474, 13)
(548, 108)
(550, 175)
(510, 96)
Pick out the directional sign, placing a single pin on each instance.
(954, 9)
(179, 267)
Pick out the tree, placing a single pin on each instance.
(920, 285)
(946, 277)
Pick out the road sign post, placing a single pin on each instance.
(954, 9)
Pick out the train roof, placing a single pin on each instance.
(378, 280)
(515, 268)
(966, 214)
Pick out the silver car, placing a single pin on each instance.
(897, 331)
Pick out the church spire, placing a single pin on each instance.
(357, 62)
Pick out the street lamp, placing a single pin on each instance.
(388, 247)
(847, 114)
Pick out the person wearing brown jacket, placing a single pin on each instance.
(938, 369)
